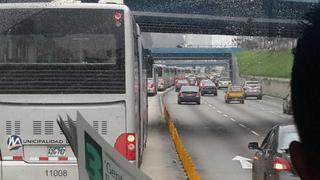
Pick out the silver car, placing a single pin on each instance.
(224, 82)
(252, 89)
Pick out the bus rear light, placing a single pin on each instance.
(131, 138)
(131, 147)
(126, 145)
(281, 164)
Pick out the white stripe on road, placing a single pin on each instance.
(225, 115)
(210, 105)
(232, 119)
(219, 111)
(255, 133)
(242, 125)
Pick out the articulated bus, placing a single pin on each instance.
(163, 77)
(152, 74)
(56, 59)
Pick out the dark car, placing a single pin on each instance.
(272, 160)
(209, 88)
(189, 94)
(287, 105)
(180, 83)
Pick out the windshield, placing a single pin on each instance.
(55, 36)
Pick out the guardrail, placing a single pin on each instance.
(183, 154)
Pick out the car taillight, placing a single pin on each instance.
(126, 145)
(152, 85)
(180, 94)
(198, 94)
(281, 164)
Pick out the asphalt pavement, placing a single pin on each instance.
(160, 160)
(216, 134)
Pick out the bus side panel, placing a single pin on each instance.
(132, 80)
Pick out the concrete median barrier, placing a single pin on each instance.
(183, 154)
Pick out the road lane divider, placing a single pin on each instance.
(185, 158)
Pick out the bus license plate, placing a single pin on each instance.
(55, 151)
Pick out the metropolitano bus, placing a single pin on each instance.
(56, 59)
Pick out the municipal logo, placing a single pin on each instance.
(14, 142)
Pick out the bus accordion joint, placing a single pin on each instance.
(126, 145)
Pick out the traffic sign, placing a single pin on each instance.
(97, 160)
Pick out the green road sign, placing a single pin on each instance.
(93, 158)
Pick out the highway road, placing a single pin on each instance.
(215, 133)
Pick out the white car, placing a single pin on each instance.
(224, 82)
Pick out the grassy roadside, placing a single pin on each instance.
(269, 63)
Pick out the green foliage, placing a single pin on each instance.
(269, 63)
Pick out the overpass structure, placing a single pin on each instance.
(192, 57)
(276, 18)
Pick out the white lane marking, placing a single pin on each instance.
(210, 105)
(219, 111)
(232, 119)
(242, 125)
(245, 164)
(205, 102)
(213, 107)
(225, 115)
(255, 133)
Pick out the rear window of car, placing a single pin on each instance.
(189, 88)
(225, 79)
(209, 84)
(235, 89)
(252, 83)
(182, 81)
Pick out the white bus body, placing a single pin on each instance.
(56, 59)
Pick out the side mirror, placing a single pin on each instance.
(254, 146)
